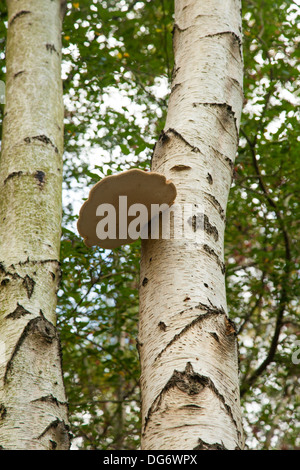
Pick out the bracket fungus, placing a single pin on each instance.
(108, 218)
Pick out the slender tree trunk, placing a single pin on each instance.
(187, 344)
(33, 410)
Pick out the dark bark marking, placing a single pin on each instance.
(29, 284)
(212, 252)
(3, 411)
(225, 106)
(51, 48)
(145, 281)
(191, 383)
(7, 273)
(47, 399)
(209, 312)
(233, 35)
(193, 406)
(39, 326)
(180, 168)
(214, 335)
(174, 72)
(176, 26)
(179, 136)
(163, 137)
(40, 177)
(53, 444)
(210, 229)
(207, 382)
(221, 156)
(230, 327)
(236, 83)
(14, 174)
(212, 309)
(19, 73)
(201, 221)
(194, 223)
(60, 430)
(175, 87)
(230, 163)
(235, 38)
(42, 138)
(209, 178)
(202, 445)
(20, 13)
(50, 399)
(227, 111)
(216, 204)
(42, 261)
(206, 446)
(19, 312)
(138, 344)
(188, 381)
(162, 326)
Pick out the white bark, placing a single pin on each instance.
(187, 344)
(33, 409)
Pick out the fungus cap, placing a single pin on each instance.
(139, 187)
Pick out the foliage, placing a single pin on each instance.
(115, 53)
(263, 227)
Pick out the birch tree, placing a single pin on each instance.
(33, 410)
(187, 343)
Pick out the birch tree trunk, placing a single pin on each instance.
(33, 409)
(187, 343)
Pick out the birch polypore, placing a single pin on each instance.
(33, 410)
(187, 344)
(117, 195)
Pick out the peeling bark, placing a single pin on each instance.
(33, 407)
(187, 344)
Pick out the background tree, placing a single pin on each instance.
(124, 49)
(33, 408)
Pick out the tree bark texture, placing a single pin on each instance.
(33, 408)
(187, 344)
